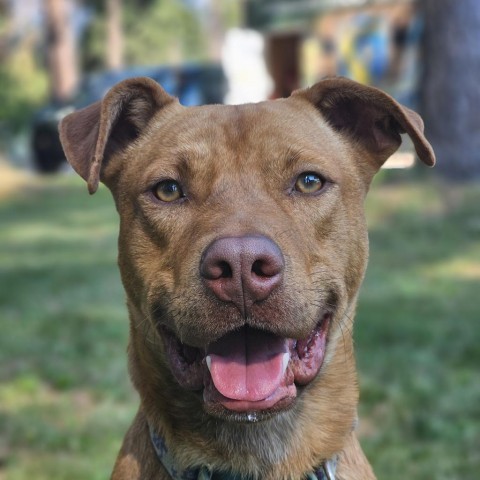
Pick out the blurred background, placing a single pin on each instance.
(65, 397)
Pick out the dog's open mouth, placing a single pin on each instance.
(249, 370)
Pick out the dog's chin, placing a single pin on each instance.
(248, 374)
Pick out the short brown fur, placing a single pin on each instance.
(237, 165)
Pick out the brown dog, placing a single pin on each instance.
(242, 249)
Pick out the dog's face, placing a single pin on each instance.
(247, 243)
(242, 242)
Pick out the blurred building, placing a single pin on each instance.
(376, 42)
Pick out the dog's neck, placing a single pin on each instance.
(326, 471)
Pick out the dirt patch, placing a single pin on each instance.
(13, 179)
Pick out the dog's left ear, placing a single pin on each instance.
(92, 135)
(368, 116)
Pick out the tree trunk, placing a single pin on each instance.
(5, 29)
(215, 30)
(115, 35)
(451, 87)
(61, 49)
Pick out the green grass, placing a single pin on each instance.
(417, 332)
(65, 398)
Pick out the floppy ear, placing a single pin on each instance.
(91, 135)
(369, 116)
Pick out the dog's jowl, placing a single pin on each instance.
(242, 248)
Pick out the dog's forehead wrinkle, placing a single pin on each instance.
(237, 140)
(231, 123)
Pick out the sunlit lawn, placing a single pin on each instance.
(65, 398)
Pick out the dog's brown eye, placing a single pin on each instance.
(309, 182)
(168, 191)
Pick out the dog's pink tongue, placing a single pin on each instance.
(248, 364)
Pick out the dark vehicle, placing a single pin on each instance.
(192, 84)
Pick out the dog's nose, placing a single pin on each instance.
(242, 270)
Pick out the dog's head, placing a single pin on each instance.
(242, 244)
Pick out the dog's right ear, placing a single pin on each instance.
(90, 136)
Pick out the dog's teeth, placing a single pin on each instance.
(285, 360)
(208, 361)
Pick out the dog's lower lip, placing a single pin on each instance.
(297, 366)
